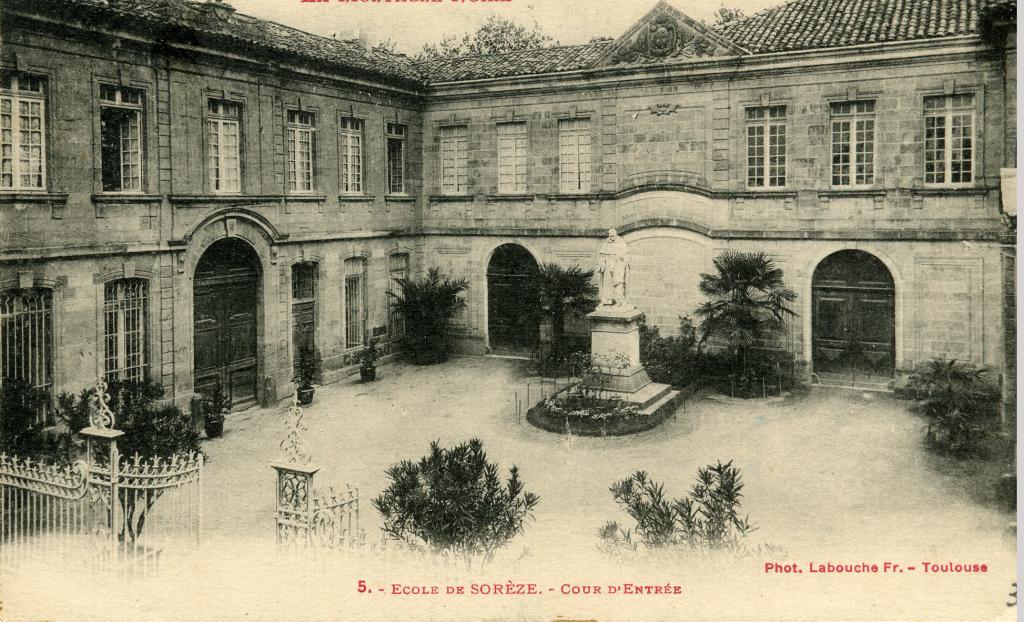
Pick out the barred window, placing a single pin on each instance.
(304, 286)
(398, 270)
(454, 159)
(124, 334)
(853, 143)
(949, 139)
(351, 146)
(223, 145)
(355, 302)
(396, 157)
(121, 138)
(26, 339)
(574, 155)
(766, 146)
(22, 132)
(301, 148)
(512, 158)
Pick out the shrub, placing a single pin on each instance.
(959, 401)
(452, 502)
(562, 292)
(707, 520)
(21, 431)
(428, 307)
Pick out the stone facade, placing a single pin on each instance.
(667, 169)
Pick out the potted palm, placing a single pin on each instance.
(307, 368)
(368, 362)
(216, 407)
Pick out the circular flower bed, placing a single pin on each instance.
(587, 416)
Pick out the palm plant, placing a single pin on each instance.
(428, 306)
(746, 301)
(563, 291)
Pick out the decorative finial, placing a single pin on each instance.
(101, 416)
(294, 445)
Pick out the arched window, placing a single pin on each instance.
(304, 287)
(355, 302)
(26, 338)
(398, 270)
(124, 329)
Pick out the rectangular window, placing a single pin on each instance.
(304, 278)
(351, 147)
(26, 339)
(396, 157)
(853, 143)
(512, 158)
(454, 159)
(398, 270)
(766, 146)
(121, 139)
(22, 132)
(355, 301)
(949, 139)
(574, 155)
(301, 150)
(223, 125)
(124, 322)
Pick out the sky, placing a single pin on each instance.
(410, 24)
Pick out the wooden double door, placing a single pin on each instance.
(854, 319)
(225, 297)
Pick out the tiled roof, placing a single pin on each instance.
(796, 25)
(810, 24)
(184, 20)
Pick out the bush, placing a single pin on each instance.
(452, 503)
(960, 403)
(707, 520)
(21, 431)
(428, 307)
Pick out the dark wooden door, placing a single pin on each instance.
(225, 298)
(513, 319)
(854, 319)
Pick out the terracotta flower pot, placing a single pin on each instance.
(367, 374)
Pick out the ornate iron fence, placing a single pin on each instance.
(117, 512)
(308, 519)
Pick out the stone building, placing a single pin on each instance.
(190, 194)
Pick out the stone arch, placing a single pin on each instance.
(512, 312)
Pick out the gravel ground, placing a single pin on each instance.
(836, 476)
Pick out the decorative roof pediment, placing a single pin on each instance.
(665, 34)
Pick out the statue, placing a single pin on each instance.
(613, 267)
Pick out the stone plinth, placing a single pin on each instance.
(615, 345)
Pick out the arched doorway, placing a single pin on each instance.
(854, 319)
(513, 310)
(225, 298)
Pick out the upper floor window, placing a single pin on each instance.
(766, 146)
(396, 133)
(574, 155)
(121, 138)
(351, 146)
(949, 139)
(124, 329)
(853, 143)
(26, 340)
(454, 159)
(512, 158)
(22, 132)
(301, 139)
(223, 147)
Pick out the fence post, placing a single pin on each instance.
(101, 444)
(294, 503)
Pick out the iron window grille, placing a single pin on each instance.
(853, 143)
(949, 139)
(26, 340)
(125, 303)
(22, 132)
(121, 138)
(301, 151)
(766, 146)
(512, 158)
(396, 134)
(454, 159)
(351, 147)
(355, 302)
(574, 167)
(223, 146)
(398, 270)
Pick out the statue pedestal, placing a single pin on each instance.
(615, 344)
